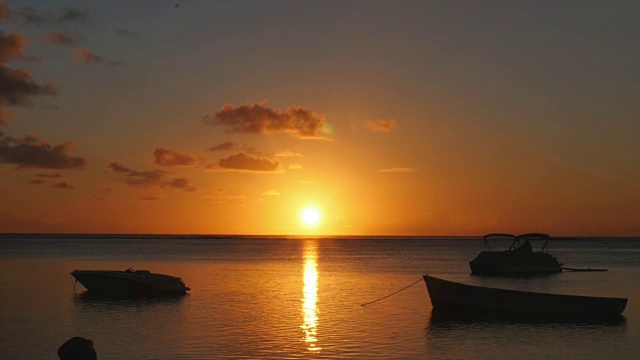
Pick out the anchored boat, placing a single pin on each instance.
(519, 259)
(452, 296)
(139, 282)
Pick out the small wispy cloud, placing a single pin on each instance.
(271, 192)
(62, 185)
(85, 56)
(244, 162)
(150, 179)
(48, 176)
(31, 16)
(149, 198)
(227, 145)
(288, 153)
(398, 170)
(62, 37)
(382, 125)
(126, 33)
(171, 157)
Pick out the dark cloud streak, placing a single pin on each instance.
(62, 37)
(32, 152)
(31, 16)
(170, 157)
(244, 162)
(260, 119)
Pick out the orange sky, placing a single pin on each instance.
(389, 118)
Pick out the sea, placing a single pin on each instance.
(301, 298)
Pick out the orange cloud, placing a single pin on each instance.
(85, 56)
(383, 125)
(170, 157)
(62, 37)
(12, 46)
(62, 185)
(260, 119)
(31, 152)
(244, 162)
(5, 13)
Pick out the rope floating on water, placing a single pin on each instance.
(384, 297)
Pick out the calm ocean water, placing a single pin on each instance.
(299, 298)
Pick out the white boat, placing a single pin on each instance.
(138, 282)
(519, 259)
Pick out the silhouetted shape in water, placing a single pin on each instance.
(519, 259)
(77, 348)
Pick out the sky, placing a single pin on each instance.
(440, 118)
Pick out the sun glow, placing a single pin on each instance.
(310, 216)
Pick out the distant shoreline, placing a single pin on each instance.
(292, 237)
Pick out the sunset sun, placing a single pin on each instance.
(310, 216)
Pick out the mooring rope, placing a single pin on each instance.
(384, 297)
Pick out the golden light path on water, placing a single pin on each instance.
(310, 298)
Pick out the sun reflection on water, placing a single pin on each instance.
(310, 298)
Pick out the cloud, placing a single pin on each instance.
(31, 16)
(182, 183)
(149, 198)
(170, 157)
(85, 56)
(117, 167)
(228, 145)
(383, 125)
(32, 152)
(62, 37)
(126, 33)
(16, 86)
(37, 182)
(12, 46)
(398, 170)
(49, 176)
(271, 192)
(288, 153)
(62, 185)
(4, 116)
(244, 162)
(115, 63)
(5, 13)
(260, 119)
(153, 178)
(295, 167)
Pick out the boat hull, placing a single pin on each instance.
(451, 296)
(514, 263)
(129, 282)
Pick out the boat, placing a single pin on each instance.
(457, 297)
(519, 259)
(137, 282)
